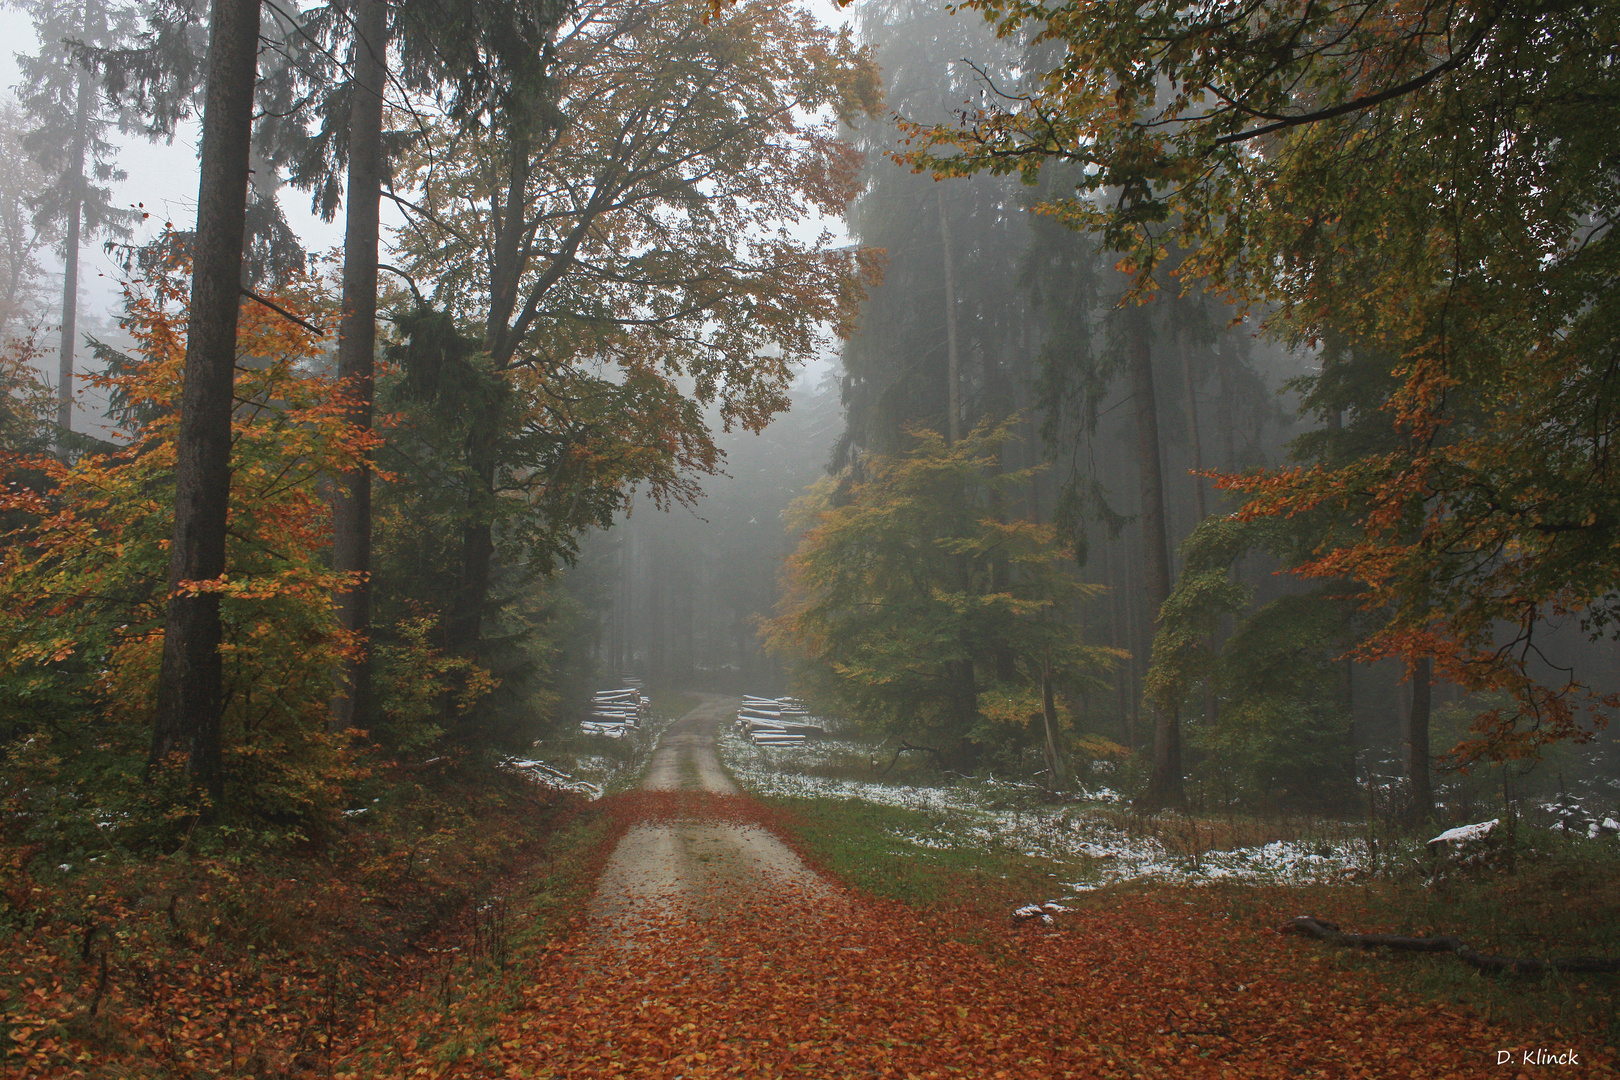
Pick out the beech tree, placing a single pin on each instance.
(1429, 181)
(84, 580)
(626, 261)
(913, 605)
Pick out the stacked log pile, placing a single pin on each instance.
(775, 721)
(613, 712)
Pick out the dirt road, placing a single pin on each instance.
(708, 961)
(697, 870)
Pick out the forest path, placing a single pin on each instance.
(715, 953)
(694, 869)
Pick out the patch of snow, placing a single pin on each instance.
(1464, 834)
(969, 820)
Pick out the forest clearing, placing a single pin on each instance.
(686, 538)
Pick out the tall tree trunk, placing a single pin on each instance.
(75, 221)
(1164, 789)
(1350, 710)
(1195, 440)
(1054, 760)
(190, 695)
(1193, 437)
(1420, 790)
(70, 312)
(953, 352)
(1119, 636)
(357, 345)
(1227, 404)
(964, 697)
(484, 426)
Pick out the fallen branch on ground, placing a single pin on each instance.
(939, 759)
(1323, 930)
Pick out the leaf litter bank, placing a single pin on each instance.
(283, 965)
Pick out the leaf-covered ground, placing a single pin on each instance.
(1156, 985)
(1165, 983)
(279, 965)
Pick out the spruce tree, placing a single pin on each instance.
(69, 124)
(22, 237)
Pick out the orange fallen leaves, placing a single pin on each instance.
(786, 985)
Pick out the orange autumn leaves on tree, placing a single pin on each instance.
(84, 559)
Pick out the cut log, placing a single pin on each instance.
(939, 759)
(766, 737)
(1323, 930)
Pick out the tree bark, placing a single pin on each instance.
(1193, 436)
(357, 344)
(1419, 789)
(1195, 440)
(1227, 406)
(1164, 789)
(1054, 761)
(1119, 636)
(953, 354)
(190, 694)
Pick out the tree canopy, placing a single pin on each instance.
(922, 609)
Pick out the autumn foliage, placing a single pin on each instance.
(83, 582)
(921, 607)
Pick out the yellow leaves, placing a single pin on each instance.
(1099, 748)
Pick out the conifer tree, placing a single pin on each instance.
(68, 136)
(936, 339)
(22, 236)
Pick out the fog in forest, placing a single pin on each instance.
(1115, 417)
(1024, 316)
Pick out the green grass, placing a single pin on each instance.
(857, 842)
